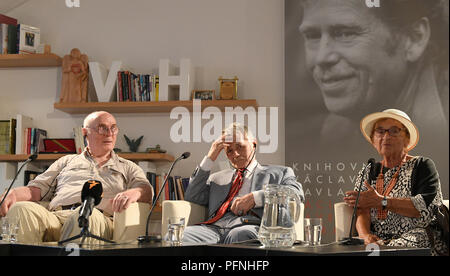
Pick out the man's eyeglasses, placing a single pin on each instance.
(393, 131)
(104, 130)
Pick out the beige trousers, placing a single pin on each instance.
(37, 224)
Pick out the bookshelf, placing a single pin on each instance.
(52, 157)
(32, 60)
(147, 107)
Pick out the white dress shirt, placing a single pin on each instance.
(207, 164)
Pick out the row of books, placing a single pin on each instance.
(19, 136)
(174, 190)
(18, 38)
(137, 87)
(34, 142)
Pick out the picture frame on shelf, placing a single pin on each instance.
(29, 175)
(228, 88)
(203, 95)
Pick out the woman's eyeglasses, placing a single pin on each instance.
(393, 131)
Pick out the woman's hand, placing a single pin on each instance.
(370, 238)
(368, 199)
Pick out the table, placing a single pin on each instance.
(253, 249)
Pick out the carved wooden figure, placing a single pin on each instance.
(75, 77)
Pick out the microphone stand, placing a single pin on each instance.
(350, 240)
(85, 233)
(147, 238)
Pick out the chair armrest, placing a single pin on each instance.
(193, 213)
(342, 219)
(130, 223)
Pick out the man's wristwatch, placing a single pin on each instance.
(384, 203)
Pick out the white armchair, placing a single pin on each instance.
(129, 224)
(343, 217)
(196, 213)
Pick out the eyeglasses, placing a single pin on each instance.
(393, 131)
(104, 130)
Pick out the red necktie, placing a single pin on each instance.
(235, 187)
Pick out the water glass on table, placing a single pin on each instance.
(175, 230)
(9, 227)
(313, 231)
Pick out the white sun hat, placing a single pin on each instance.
(368, 122)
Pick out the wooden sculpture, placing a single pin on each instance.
(75, 77)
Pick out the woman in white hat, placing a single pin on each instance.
(400, 193)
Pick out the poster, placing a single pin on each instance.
(345, 59)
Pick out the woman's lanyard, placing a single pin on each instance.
(382, 214)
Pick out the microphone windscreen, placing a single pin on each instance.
(94, 189)
(186, 155)
(371, 161)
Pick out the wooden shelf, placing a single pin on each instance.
(31, 60)
(147, 107)
(51, 157)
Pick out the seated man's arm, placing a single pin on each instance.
(138, 189)
(198, 188)
(19, 194)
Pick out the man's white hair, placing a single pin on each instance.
(237, 128)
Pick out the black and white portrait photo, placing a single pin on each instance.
(345, 59)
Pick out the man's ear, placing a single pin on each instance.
(417, 39)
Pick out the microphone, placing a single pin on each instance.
(30, 159)
(147, 238)
(91, 195)
(350, 240)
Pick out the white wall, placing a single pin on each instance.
(228, 38)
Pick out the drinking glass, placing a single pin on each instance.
(175, 230)
(313, 231)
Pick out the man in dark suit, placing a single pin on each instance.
(234, 197)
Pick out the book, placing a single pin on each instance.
(38, 141)
(79, 139)
(8, 136)
(4, 136)
(7, 20)
(179, 187)
(12, 39)
(12, 136)
(152, 179)
(28, 39)
(3, 38)
(22, 122)
(185, 183)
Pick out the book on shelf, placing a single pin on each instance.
(34, 140)
(80, 143)
(23, 122)
(18, 38)
(12, 39)
(8, 136)
(133, 87)
(28, 39)
(5, 21)
(3, 38)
